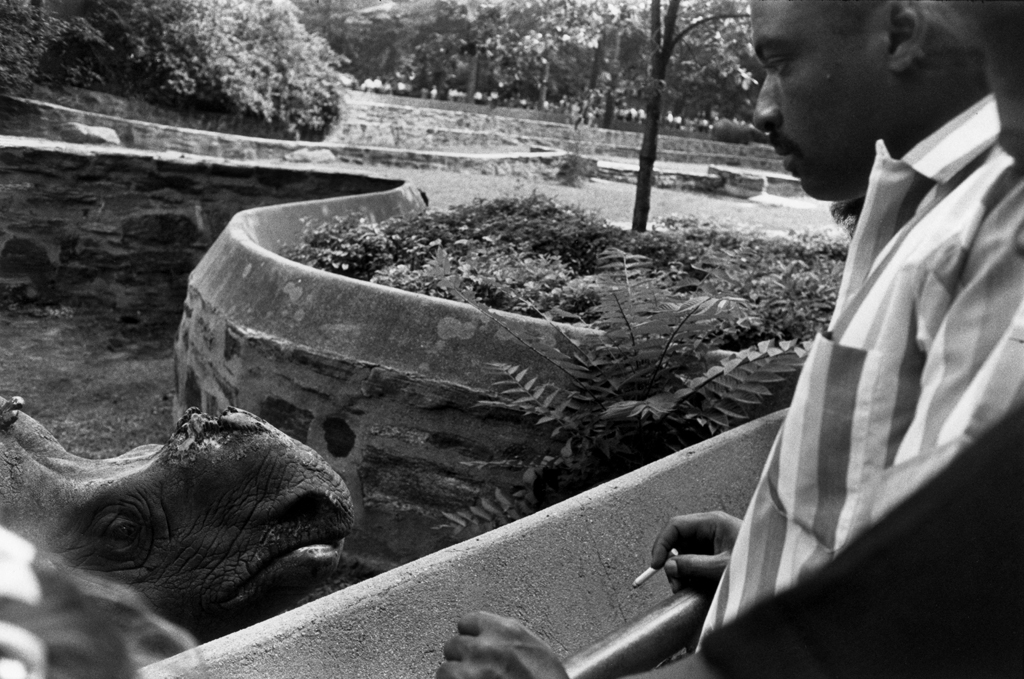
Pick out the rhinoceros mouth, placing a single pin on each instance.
(286, 577)
(302, 548)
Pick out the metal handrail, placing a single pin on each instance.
(648, 640)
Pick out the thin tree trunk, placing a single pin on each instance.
(597, 64)
(649, 148)
(474, 70)
(664, 36)
(664, 46)
(543, 96)
(613, 71)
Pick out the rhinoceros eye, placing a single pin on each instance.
(122, 530)
(121, 534)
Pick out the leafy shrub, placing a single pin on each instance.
(791, 281)
(27, 33)
(251, 57)
(698, 324)
(500, 277)
(654, 381)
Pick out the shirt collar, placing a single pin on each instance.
(954, 145)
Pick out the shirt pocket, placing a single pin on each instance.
(850, 410)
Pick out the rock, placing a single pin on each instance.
(77, 133)
(310, 156)
(739, 184)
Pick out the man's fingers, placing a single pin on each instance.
(700, 566)
(453, 670)
(471, 623)
(687, 533)
(456, 648)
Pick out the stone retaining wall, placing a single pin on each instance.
(122, 229)
(51, 121)
(386, 120)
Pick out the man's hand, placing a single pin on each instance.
(704, 542)
(489, 646)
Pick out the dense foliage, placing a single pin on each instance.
(248, 57)
(28, 33)
(593, 53)
(535, 256)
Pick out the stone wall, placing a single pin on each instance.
(390, 118)
(369, 145)
(122, 229)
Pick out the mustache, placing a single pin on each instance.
(784, 146)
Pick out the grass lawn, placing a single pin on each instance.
(612, 200)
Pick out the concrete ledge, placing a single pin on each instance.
(384, 383)
(39, 119)
(729, 181)
(566, 570)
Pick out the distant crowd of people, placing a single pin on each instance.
(590, 116)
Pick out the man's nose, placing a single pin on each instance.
(767, 112)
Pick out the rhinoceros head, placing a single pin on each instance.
(229, 522)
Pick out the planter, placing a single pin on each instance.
(566, 571)
(383, 383)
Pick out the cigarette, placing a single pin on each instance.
(646, 575)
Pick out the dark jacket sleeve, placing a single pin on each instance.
(936, 589)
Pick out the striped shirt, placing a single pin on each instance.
(22, 653)
(924, 351)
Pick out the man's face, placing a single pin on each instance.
(822, 100)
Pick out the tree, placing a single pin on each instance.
(538, 33)
(707, 23)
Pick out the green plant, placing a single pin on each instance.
(251, 58)
(28, 32)
(537, 256)
(500, 277)
(652, 382)
(349, 245)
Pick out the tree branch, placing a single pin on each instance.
(700, 22)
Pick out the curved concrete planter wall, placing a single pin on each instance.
(382, 382)
(566, 571)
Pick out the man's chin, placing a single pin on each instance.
(829, 188)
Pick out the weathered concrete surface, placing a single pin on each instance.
(723, 180)
(120, 228)
(566, 571)
(384, 383)
(39, 119)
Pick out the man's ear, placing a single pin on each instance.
(908, 27)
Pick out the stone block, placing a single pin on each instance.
(77, 133)
(739, 184)
(310, 156)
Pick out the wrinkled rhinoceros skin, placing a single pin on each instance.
(228, 523)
